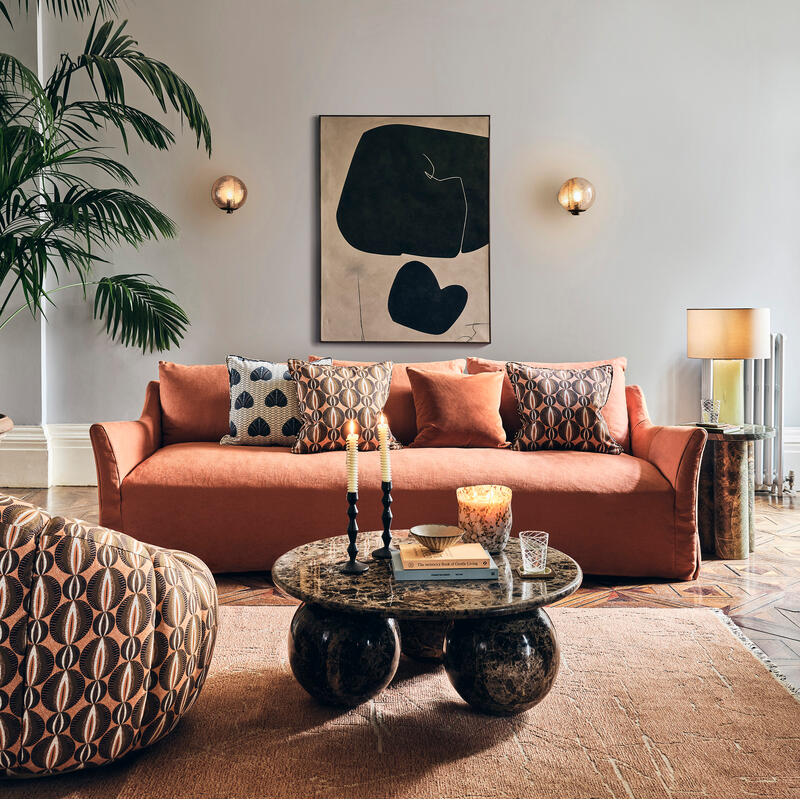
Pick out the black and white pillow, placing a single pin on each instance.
(264, 409)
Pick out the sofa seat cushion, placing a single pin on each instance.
(608, 512)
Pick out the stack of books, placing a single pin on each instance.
(719, 427)
(461, 562)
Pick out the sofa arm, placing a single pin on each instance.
(676, 451)
(121, 446)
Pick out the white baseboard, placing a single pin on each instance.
(24, 458)
(71, 456)
(791, 450)
(36, 456)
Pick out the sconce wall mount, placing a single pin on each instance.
(576, 195)
(229, 193)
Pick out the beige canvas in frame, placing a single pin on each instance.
(404, 214)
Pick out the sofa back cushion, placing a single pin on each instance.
(194, 402)
(615, 410)
(457, 410)
(399, 409)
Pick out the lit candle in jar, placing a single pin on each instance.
(352, 458)
(383, 446)
(484, 513)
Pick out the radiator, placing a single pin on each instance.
(763, 405)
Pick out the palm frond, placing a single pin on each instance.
(52, 216)
(75, 8)
(85, 119)
(15, 75)
(137, 311)
(90, 157)
(107, 49)
(109, 216)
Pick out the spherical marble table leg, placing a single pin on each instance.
(502, 665)
(423, 640)
(342, 659)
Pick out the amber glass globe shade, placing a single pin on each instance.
(576, 195)
(228, 193)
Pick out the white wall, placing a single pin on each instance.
(20, 341)
(684, 115)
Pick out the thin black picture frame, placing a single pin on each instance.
(412, 343)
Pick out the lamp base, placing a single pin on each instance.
(729, 390)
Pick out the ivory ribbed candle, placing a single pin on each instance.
(383, 445)
(352, 459)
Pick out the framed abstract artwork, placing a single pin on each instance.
(404, 215)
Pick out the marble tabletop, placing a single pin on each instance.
(746, 433)
(311, 573)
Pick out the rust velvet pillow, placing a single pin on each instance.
(399, 408)
(562, 409)
(457, 410)
(194, 402)
(615, 411)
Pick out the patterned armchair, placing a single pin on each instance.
(105, 642)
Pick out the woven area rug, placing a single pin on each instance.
(648, 703)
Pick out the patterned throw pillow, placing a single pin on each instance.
(560, 409)
(330, 396)
(264, 409)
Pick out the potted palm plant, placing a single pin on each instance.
(56, 223)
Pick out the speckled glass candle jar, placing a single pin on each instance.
(484, 513)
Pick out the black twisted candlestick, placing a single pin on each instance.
(385, 551)
(353, 567)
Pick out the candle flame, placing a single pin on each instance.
(352, 428)
(382, 419)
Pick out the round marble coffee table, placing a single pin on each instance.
(497, 643)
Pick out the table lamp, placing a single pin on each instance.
(728, 335)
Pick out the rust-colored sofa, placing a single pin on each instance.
(239, 508)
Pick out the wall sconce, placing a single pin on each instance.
(228, 193)
(576, 195)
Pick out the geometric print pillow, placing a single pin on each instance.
(561, 409)
(329, 397)
(264, 409)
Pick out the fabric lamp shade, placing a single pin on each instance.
(728, 333)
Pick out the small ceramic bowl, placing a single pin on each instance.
(436, 537)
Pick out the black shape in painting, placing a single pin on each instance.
(422, 191)
(417, 301)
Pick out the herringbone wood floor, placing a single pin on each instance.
(761, 594)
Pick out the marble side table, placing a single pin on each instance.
(497, 643)
(726, 497)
